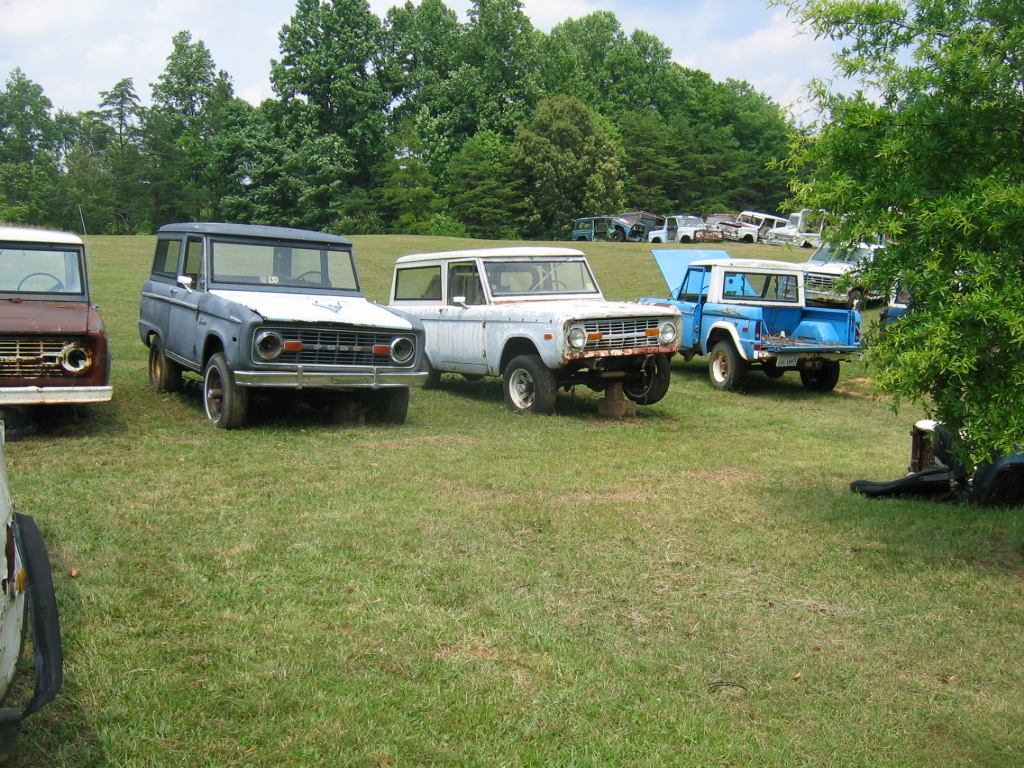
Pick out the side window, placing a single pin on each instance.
(695, 285)
(464, 281)
(418, 284)
(165, 262)
(193, 258)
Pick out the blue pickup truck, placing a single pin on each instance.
(748, 313)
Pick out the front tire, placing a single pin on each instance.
(726, 368)
(225, 403)
(529, 385)
(653, 383)
(822, 379)
(164, 375)
(389, 406)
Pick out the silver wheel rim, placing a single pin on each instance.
(720, 366)
(213, 391)
(521, 389)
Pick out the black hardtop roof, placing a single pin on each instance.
(254, 230)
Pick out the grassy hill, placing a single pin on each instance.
(695, 586)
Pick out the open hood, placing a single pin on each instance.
(674, 263)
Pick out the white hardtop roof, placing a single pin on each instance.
(32, 235)
(527, 251)
(764, 215)
(750, 264)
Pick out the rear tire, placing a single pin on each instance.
(529, 385)
(653, 383)
(164, 375)
(225, 403)
(433, 377)
(822, 379)
(726, 368)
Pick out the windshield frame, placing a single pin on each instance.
(505, 278)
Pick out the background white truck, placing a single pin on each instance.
(751, 226)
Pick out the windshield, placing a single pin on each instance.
(537, 278)
(254, 263)
(842, 254)
(691, 221)
(24, 269)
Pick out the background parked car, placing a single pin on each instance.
(751, 226)
(684, 229)
(592, 228)
(828, 266)
(632, 226)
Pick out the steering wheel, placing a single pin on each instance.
(316, 272)
(57, 284)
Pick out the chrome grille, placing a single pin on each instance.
(622, 332)
(334, 346)
(31, 357)
(813, 282)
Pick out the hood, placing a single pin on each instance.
(316, 308)
(674, 263)
(835, 269)
(46, 316)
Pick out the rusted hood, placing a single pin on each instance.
(35, 316)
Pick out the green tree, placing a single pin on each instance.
(594, 60)
(930, 155)
(568, 165)
(120, 109)
(188, 102)
(484, 193)
(406, 187)
(331, 95)
(649, 161)
(29, 153)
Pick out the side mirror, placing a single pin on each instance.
(460, 300)
(185, 282)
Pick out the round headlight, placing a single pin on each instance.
(74, 359)
(403, 350)
(269, 344)
(667, 335)
(577, 337)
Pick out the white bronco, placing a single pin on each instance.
(536, 317)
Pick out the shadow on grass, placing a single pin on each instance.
(755, 382)
(578, 401)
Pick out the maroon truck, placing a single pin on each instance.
(53, 344)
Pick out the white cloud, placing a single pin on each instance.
(75, 49)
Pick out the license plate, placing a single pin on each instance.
(786, 361)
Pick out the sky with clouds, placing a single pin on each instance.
(74, 49)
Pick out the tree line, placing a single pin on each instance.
(414, 123)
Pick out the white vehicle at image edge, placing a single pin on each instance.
(28, 599)
(536, 317)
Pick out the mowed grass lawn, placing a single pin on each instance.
(695, 586)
